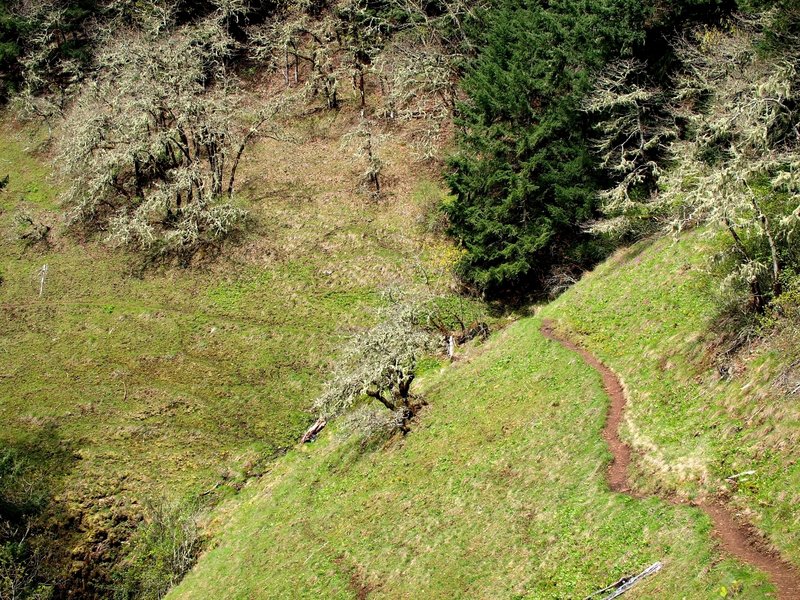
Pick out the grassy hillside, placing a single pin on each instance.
(499, 491)
(151, 412)
(168, 383)
(697, 416)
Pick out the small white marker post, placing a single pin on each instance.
(42, 277)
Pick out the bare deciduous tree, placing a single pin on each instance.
(366, 144)
(50, 78)
(380, 364)
(153, 143)
(737, 166)
(741, 167)
(419, 68)
(634, 135)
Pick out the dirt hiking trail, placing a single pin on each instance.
(739, 539)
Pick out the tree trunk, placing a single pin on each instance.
(235, 165)
(239, 151)
(773, 247)
(380, 398)
(404, 387)
(314, 430)
(756, 294)
(757, 303)
(137, 176)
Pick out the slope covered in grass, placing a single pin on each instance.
(500, 491)
(696, 416)
(174, 381)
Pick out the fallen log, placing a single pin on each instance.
(618, 588)
(312, 431)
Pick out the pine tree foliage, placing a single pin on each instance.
(524, 176)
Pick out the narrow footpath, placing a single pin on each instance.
(737, 538)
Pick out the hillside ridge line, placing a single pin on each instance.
(739, 539)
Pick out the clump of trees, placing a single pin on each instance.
(740, 166)
(321, 49)
(152, 145)
(523, 173)
(566, 120)
(403, 55)
(421, 65)
(532, 87)
(730, 134)
(147, 100)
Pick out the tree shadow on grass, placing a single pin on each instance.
(32, 469)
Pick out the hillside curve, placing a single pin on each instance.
(737, 538)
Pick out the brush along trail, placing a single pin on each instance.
(738, 539)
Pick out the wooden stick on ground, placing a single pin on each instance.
(626, 583)
(312, 431)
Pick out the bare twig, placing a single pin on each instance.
(738, 475)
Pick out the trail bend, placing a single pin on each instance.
(736, 538)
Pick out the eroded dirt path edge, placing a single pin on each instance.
(738, 539)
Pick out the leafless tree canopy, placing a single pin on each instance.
(738, 164)
(152, 144)
(634, 136)
(380, 364)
